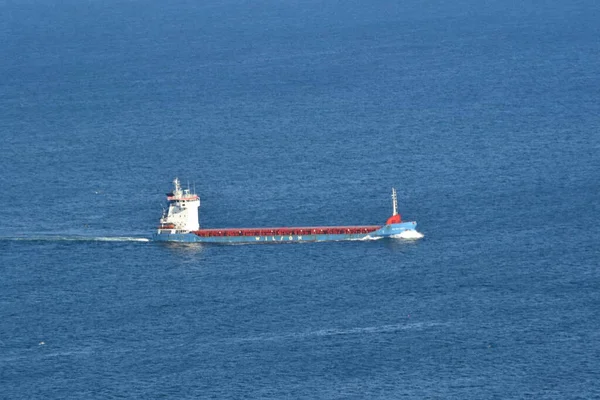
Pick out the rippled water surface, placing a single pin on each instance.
(484, 116)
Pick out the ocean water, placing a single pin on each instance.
(484, 115)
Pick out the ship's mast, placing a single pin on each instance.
(395, 201)
(177, 191)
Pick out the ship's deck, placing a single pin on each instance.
(282, 231)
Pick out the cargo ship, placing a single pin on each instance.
(179, 223)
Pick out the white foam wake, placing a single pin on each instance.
(120, 239)
(409, 234)
(366, 238)
(76, 239)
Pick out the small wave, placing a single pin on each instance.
(366, 330)
(369, 330)
(409, 234)
(367, 238)
(75, 239)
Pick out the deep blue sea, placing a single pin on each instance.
(485, 115)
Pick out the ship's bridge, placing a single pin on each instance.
(183, 210)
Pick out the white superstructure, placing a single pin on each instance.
(182, 214)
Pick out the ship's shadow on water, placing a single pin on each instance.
(187, 249)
